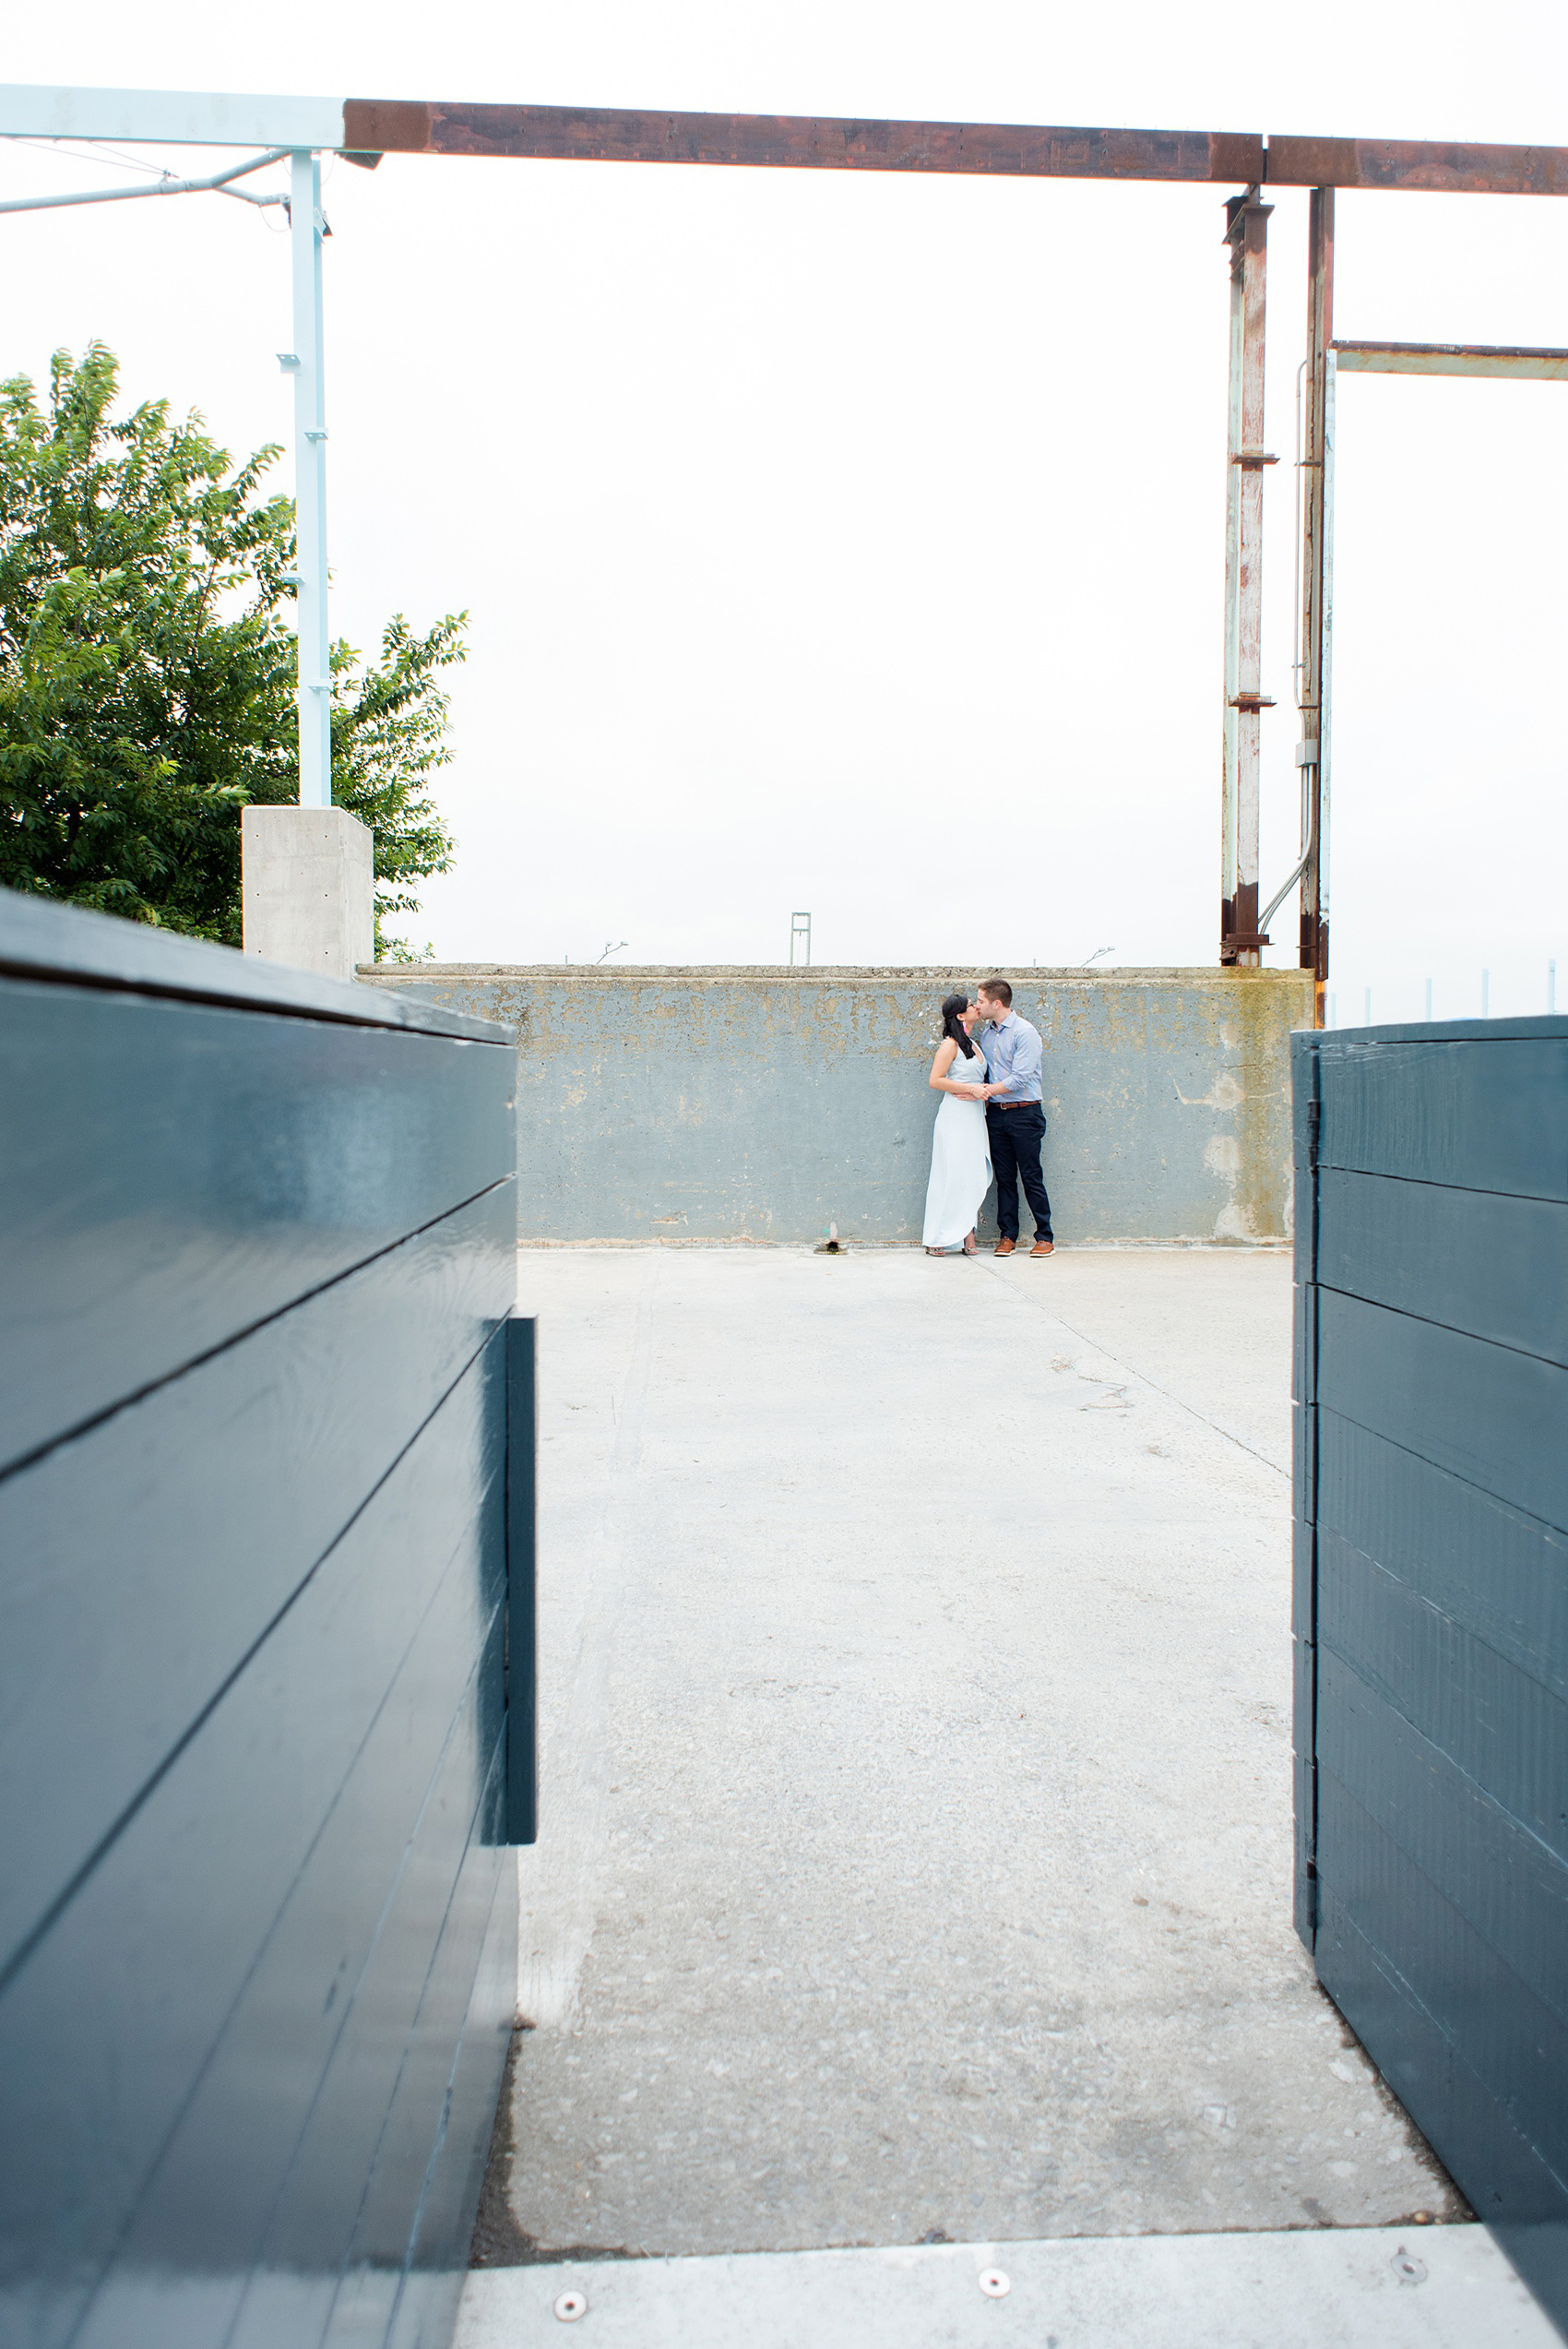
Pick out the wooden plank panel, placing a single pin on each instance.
(1486, 1113)
(65, 944)
(427, 2308)
(1303, 1455)
(1304, 1789)
(1490, 1263)
(355, 2154)
(1501, 1728)
(1464, 2121)
(522, 1539)
(1303, 1348)
(1511, 1892)
(1439, 1597)
(619, 135)
(1516, 2047)
(173, 1173)
(258, 1871)
(206, 2209)
(1482, 1412)
(1305, 1110)
(1303, 1578)
(143, 1560)
(381, 2235)
(1498, 1572)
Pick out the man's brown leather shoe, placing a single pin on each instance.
(1043, 1247)
(1004, 1247)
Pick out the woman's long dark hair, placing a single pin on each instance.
(952, 1010)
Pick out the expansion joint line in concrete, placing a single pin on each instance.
(1138, 1377)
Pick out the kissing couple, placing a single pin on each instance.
(991, 1123)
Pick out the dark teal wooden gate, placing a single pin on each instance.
(1431, 1588)
(265, 1522)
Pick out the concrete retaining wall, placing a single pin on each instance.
(762, 1104)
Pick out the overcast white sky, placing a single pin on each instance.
(856, 542)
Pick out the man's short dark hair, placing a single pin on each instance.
(998, 990)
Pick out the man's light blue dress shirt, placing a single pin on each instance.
(1013, 1055)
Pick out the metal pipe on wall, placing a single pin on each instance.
(1247, 234)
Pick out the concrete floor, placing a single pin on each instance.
(1314, 2288)
(915, 1689)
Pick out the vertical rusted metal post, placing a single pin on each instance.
(1232, 593)
(1247, 235)
(1317, 592)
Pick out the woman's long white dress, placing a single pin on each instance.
(960, 1160)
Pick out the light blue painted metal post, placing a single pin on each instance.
(309, 482)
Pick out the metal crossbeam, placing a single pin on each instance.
(616, 135)
(169, 117)
(1452, 359)
(619, 135)
(624, 134)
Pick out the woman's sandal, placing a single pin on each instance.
(970, 1247)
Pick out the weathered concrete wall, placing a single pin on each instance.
(761, 1105)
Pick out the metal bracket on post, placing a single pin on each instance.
(304, 364)
(1241, 933)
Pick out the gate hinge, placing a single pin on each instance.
(1313, 1918)
(1315, 1124)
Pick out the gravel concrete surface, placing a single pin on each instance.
(915, 1694)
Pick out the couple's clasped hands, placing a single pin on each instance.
(976, 1092)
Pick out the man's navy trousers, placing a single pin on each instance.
(1015, 1136)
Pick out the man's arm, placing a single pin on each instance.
(1028, 1058)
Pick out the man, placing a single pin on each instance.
(1015, 1121)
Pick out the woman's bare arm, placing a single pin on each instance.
(942, 1080)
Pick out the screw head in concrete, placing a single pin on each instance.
(571, 2306)
(1407, 2268)
(995, 2285)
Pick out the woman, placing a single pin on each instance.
(960, 1155)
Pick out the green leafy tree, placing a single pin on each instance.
(147, 672)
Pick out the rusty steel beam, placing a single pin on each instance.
(1421, 166)
(624, 135)
(1516, 362)
(616, 135)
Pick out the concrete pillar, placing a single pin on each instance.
(308, 889)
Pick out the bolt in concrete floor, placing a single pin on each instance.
(915, 1685)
